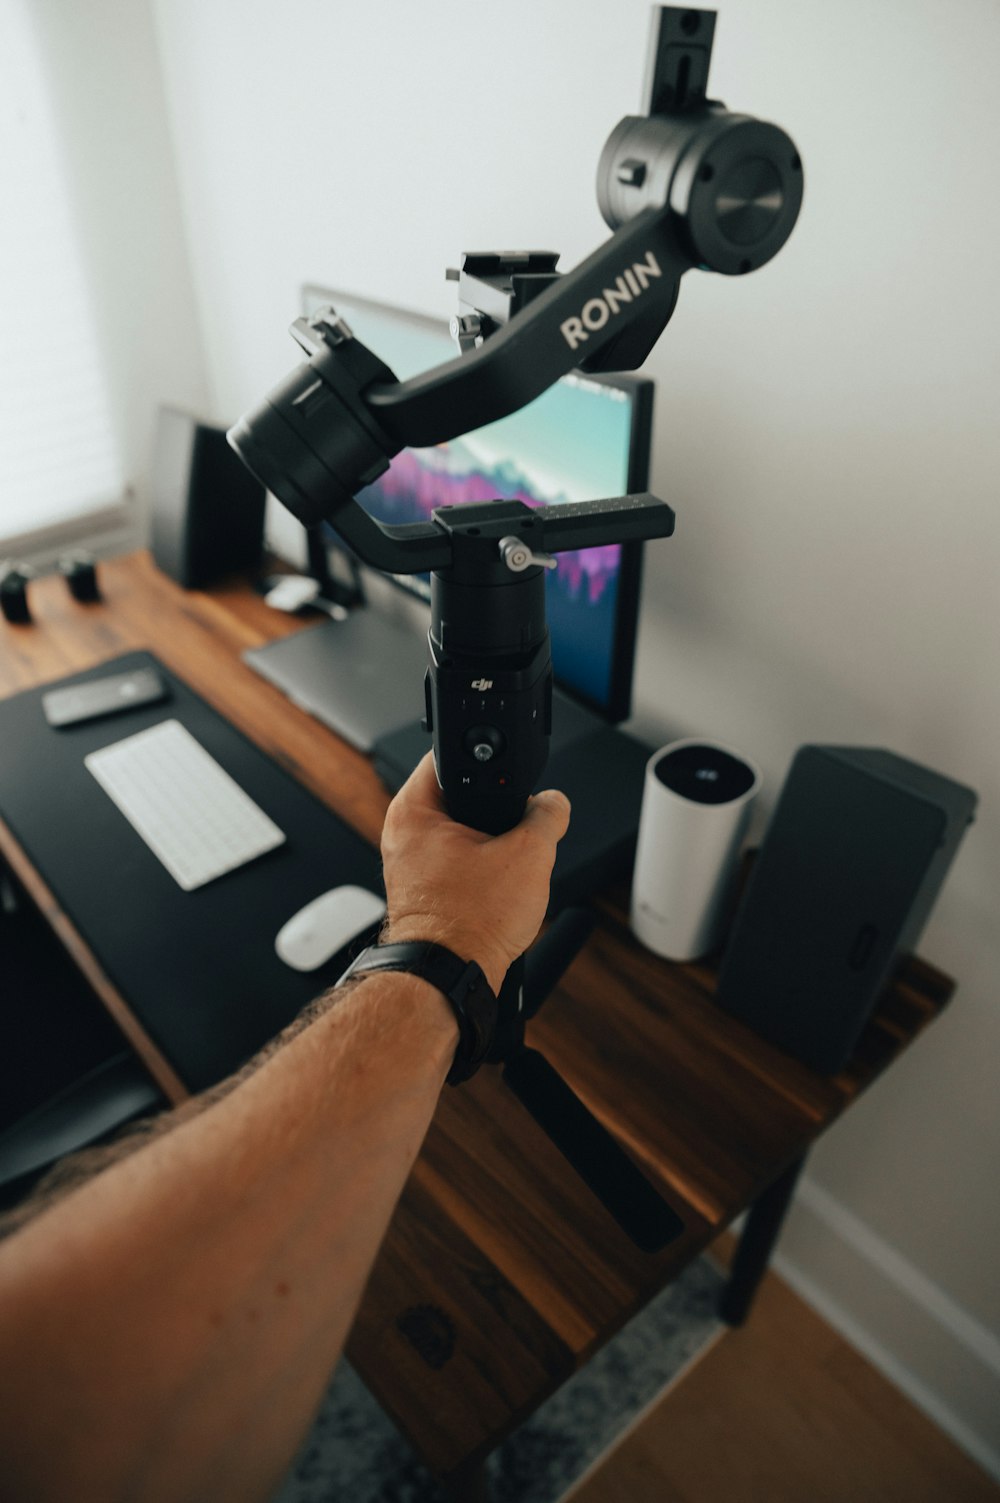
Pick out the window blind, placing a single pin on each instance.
(59, 453)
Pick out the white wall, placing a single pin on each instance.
(826, 431)
(103, 64)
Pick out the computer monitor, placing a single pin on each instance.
(585, 438)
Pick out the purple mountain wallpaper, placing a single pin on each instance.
(417, 481)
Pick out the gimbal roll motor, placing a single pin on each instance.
(686, 184)
(734, 183)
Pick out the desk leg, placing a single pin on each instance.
(760, 1233)
(470, 1484)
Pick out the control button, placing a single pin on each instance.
(428, 711)
(631, 172)
(483, 742)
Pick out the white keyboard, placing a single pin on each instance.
(188, 810)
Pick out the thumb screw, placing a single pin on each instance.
(518, 556)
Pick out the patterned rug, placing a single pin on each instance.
(355, 1455)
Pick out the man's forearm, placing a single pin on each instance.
(183, 1317)
(69, 1173)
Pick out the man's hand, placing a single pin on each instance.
(218, 1270)
(483, 896)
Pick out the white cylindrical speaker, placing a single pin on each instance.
(696, 806)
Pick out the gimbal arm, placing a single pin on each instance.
(688, 184)
(628, 283)
(335, 423)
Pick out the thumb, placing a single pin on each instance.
(548, 812)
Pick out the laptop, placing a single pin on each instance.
(362, 677)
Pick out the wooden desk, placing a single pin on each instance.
(500, 1274)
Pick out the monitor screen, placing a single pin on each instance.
(584, 438)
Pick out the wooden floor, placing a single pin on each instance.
(784, 1411)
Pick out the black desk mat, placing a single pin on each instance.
(198, 969)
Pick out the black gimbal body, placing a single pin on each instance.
(686, 184)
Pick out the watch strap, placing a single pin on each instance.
(462, 982)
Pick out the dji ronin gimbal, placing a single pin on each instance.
(687, 184)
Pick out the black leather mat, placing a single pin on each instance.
(198, 968)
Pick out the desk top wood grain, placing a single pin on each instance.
(500, 1273)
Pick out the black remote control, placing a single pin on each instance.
(103, 696)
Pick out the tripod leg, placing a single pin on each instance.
(548, 960)
(510, 1014)
(756, 1244)
(533, 976)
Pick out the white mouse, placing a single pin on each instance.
(326, 925)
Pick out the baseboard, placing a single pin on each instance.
(934, 1351)
(606, 1457)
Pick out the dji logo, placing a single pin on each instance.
(482, 683)
(597, 310)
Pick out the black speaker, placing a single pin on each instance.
(208, 510)
(852, 861)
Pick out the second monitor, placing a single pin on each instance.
(586, 437)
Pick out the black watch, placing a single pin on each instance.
(463, 983)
